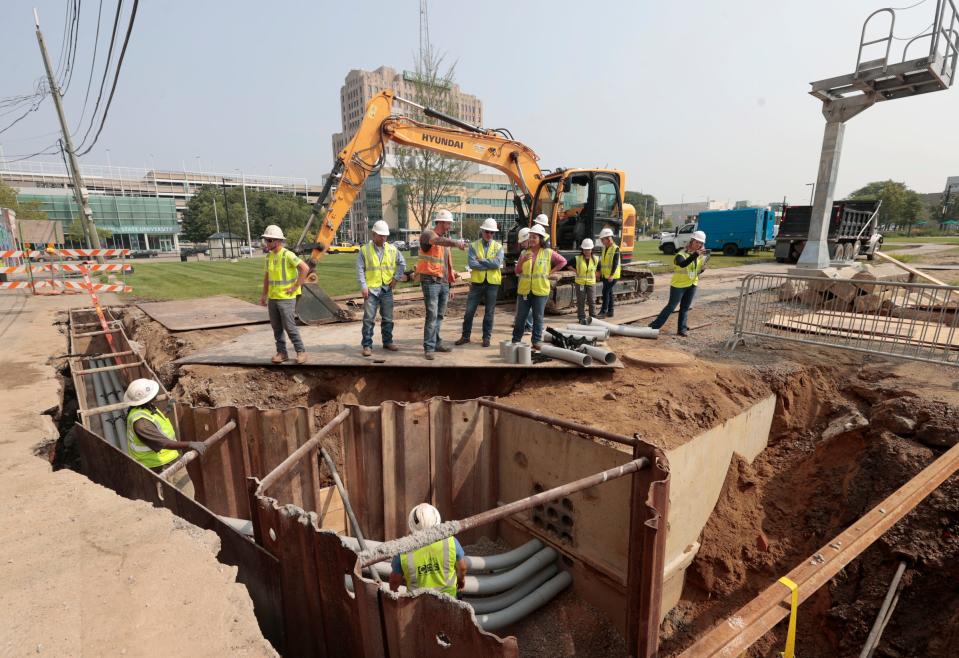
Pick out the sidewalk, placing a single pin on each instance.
(84, 571)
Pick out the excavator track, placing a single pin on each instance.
(635, 285)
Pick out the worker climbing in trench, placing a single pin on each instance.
(151, 439)
(441, 566)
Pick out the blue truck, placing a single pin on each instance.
(733, 232)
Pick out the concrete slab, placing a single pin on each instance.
(339, 346)
(207, 313)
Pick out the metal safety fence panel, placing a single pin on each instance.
(907, 320)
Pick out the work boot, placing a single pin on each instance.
(391, 348)
(279, 357)
(601, 315)
(367, 351)
(428, 355)
(682, 334)
(462, 340)
(301, 358)
(486, 342)
(443, 348)
(610, 314)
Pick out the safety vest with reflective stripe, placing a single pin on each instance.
(609, 254)
(535, 276)
(494, 277)
(683, 277)
(379, 272)
(431, 262)
(279, 276)
(431, 567)
(585, 271)
(142, 452)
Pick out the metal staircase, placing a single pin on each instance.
(882, 79)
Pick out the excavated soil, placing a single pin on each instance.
(849, 430)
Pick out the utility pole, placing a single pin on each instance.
(229, 226)
(83, 197)
(246, 211)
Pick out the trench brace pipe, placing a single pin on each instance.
(354, 523)
(287, 464)
(447, 529)
(559, 422)
(210, 441)
(475, 564)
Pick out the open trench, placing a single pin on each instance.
(841, 440)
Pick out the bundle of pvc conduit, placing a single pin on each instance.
(569, 356)
(600, 354)
(626, 330)
(527, 605)
(584, 329)
(486, 604)
(567, 333)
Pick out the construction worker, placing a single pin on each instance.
(435, 271)
(585, 281)
(441, 566)
(486, 263)
(523, 239)
(284, 276)
(151, 439)
(536, 267)
(609, 269)
(543, 221)
(682, 287)
(379, 265)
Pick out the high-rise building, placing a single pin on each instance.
(485, 193)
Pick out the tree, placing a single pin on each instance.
(76, 233)
(24, 209)
(471, 229)
(901, 205)
(200, 221)
(429, 179)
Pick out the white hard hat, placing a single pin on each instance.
(273, 232)
(423, 517)
(523, 234)
(443, 215)
(140, 391)
(606, 233)
(381, 228)
(541, 219)
(587, 244)
(489, 224)
(699, 236)
(538, 230)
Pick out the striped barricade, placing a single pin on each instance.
(13, 253)
(93, 287)
(66, 267)
(90, 253)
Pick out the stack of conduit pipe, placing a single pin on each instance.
(625, 329)
(109, 389)
(503, 588)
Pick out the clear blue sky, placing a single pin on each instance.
(692, 99)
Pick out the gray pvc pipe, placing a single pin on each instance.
(525, 606)
(524, 355)
(588, 329)
(500, 582)
(625, 329)
(101, 398)
(490, 604)
(569, 356)
(474, 563)
(114, 419)
(599, 353)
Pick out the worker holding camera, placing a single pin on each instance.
(682, 288)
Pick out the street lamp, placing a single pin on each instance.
(812, 191)
(246, 211)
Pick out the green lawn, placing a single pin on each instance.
(162, 280)
(936, 239)
(244, 279)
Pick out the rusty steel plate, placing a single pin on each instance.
(206, 313)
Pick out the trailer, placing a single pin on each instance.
(852, 231)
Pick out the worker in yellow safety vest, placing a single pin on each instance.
(586, 265)
(379, 265)
(486, 263)
(682, 288)
(435, 272)
(609, 269)
(151, 439)
(284, 276)
(441, 566)
(536, 268)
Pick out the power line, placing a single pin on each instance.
(93, 65)
(63, 41)
(116, 77)
(23, 116)
(45, 151)
(106, 70)
(73, 49)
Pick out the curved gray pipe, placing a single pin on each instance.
(474, 563)
(114, 419)
(570, 356)
(500, 582)
(522, 608)
(599, 353)
(490, 604)
(121, 416)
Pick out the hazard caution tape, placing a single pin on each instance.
(67, 267)
(87, 253)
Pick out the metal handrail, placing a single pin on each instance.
(888, 39)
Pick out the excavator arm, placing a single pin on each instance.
(364, 155)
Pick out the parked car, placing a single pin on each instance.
(399, 244)
(344, 248)
(144, 253)
(245, 249)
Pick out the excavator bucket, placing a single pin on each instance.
(314, 306)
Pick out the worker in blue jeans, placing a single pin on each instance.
(682, 288)
(485, 259)
(379, 265)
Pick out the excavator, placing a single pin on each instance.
(578, 202)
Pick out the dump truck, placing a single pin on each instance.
(578, 202)
(852, 231)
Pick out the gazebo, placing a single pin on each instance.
(225, 245)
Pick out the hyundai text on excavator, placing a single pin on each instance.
(578, 202)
